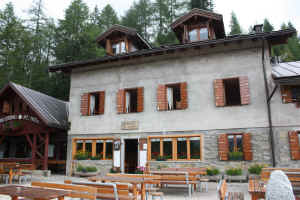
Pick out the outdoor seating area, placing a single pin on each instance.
(154, 185)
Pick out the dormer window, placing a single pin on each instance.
(198, 34)
(119, 48)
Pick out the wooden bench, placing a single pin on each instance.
(110, 191)
(77, 191)
(224, 195)
(292, 174)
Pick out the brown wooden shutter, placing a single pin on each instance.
(162, 103)
(247, 147)
(140, 99)
(108, 47)
(286, 94)
(5, 109)
(244, 90)
(84, 107)
(121, 101)
(223, 147)
(101, 102)
(183, 96)
(294, 145)
(219, 92)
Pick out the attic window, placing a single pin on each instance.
(295, 93)
(198, 34)
(119, 47)
(94, 103)
(232, 91)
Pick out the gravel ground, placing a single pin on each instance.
(170, 193)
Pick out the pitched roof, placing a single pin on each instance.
(126, 30)
(271, 37)
(286, 70)
(53, 112)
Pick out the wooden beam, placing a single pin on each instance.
(45, 164)
(41, 138)
(29, 140)
(94, 148)
(33, 150)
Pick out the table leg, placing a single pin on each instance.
(11, 176)
(14, 198)
(61, 198)
(143, 191)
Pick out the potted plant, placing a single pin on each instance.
(236, 156)
(255, 170)
(86, 171)
(213, 174)
(235, 174)
(114, 170)
(97, 157)
(182, 155)
(161, 158)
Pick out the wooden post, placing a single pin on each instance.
(33, 151)
(45, 164)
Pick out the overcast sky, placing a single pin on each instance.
(249, 12)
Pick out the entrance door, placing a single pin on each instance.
(131, 155)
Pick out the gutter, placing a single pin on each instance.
(268, 98)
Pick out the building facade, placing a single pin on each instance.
(203, 102)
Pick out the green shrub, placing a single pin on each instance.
(212, 172)
(97, 157)
(87, 169)
(161, 158)
(256, 168)
(237, 155)
(80, 155)
(234, 171)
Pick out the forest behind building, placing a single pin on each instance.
(29, 46)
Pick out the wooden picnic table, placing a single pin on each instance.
(37, 193)
(134, 181)
(257, 189)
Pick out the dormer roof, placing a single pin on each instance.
(119, 30)
(199, 15)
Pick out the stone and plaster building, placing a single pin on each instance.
(210, 100)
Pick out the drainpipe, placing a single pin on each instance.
(268, 104)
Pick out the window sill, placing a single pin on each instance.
(192, 160)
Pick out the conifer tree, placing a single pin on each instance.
(235, 27)
(202, 4)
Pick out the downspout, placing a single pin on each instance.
(268, 104)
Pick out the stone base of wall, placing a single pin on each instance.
(103, 166)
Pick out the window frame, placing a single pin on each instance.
(235, 141)
(232, 78)
(173, 85)
(119, 43)
(129, 90)
(94, 142)
(174, 146)
(99, 103)
(198, 28)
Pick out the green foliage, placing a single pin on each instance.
(237, 155)
(108, 17)
(256, 169)
(97, 157)
(161, 158)
(212, 171)
(235, 27)
(234, 171)
(203, 4)
(268, 27)
(86, 169)
(80, 155)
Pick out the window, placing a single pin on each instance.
(100, 148)
(131, 100)
(299, 138)
(193, 35)
(96, 103)
(295, 90)
(203, 34)
(119, 47)
(198, 34)
(173, 96)
(232, 91)
(181, 147)
(235, 143)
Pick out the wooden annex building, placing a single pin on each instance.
(33, 128)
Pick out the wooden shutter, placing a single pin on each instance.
(84, 106)
(294, 145)
(219, 92)
(286, 94)
(162, 103)
(5, 108)
(244, 90)
(247, 148)
(101, 102)
(121, 101)
(223, 147)
(183, 96)
(140, 99)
